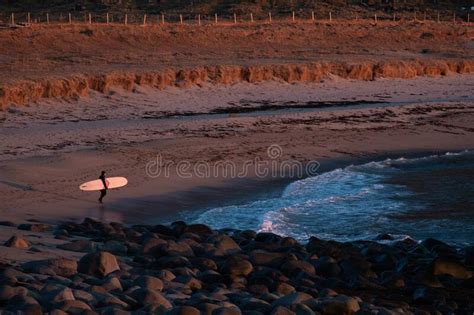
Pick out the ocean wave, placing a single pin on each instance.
(355, 202)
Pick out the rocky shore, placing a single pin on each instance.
(193, 269)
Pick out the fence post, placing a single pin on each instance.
(181, 19)
(293, 16)
(126, 19)
(454, 17)
(414, 17)
(199, 19)
(144, 19)
(438, 18)
(251, 17)
(468, 20)
(330, 16)
(107, 21)
(163, 19)
(312, 15)
(375, 18)
(28, 18)
(69, 18)
(235, 18)
(90, 18)
(215, 18)
(47, 18)
(270, 17)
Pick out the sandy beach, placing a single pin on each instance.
(51, 147)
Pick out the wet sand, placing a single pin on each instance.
(50, 148)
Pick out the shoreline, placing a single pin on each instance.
(125, 143)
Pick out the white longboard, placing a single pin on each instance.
(111, 182)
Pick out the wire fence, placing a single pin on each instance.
(28, 19)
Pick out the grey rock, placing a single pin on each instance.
(335, 305)
(58, 295)
(98, 264)
(35, 227)
(8, 292)
(233, 310)
(236, 266)
(294, 267)
(56, 266)
(147, 296)
(74, 306)
(112, 284)
(17, 242)
(150, 282)
(452, 267)
(85, 246)
(292, 298)
(183, 310)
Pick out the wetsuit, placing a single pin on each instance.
(103, 192)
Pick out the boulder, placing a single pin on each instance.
(469, 256)
(452, 267)
(58, 295)
(254, 304)
(294, 267)
(150, 282)
(57, 266)
(227, 310)
(203, 263)
(8, 292)
(115, 247)
(199, 229)
(35, 227)
(267, 237)
(98, 264)
(74, 306)
(85, 246)
(147, 296)
(283, 288)
(172, 248)
(236, 266)
(291, 299)
(335, 305)
(17, 242)
(84, 296)
(112, 284)
(165, 275)
(191, 282)
(224, 245)
(173, 262)
(265, 258)
(354, 266)
(184, 310)
(151, 245)
(327, 266)
(281, 310)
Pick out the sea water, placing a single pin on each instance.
(431, 196)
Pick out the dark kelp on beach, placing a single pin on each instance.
(193, 269)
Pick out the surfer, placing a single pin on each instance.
(103, 192)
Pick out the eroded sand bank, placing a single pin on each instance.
(49, 148)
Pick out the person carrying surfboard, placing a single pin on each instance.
(103, 192)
